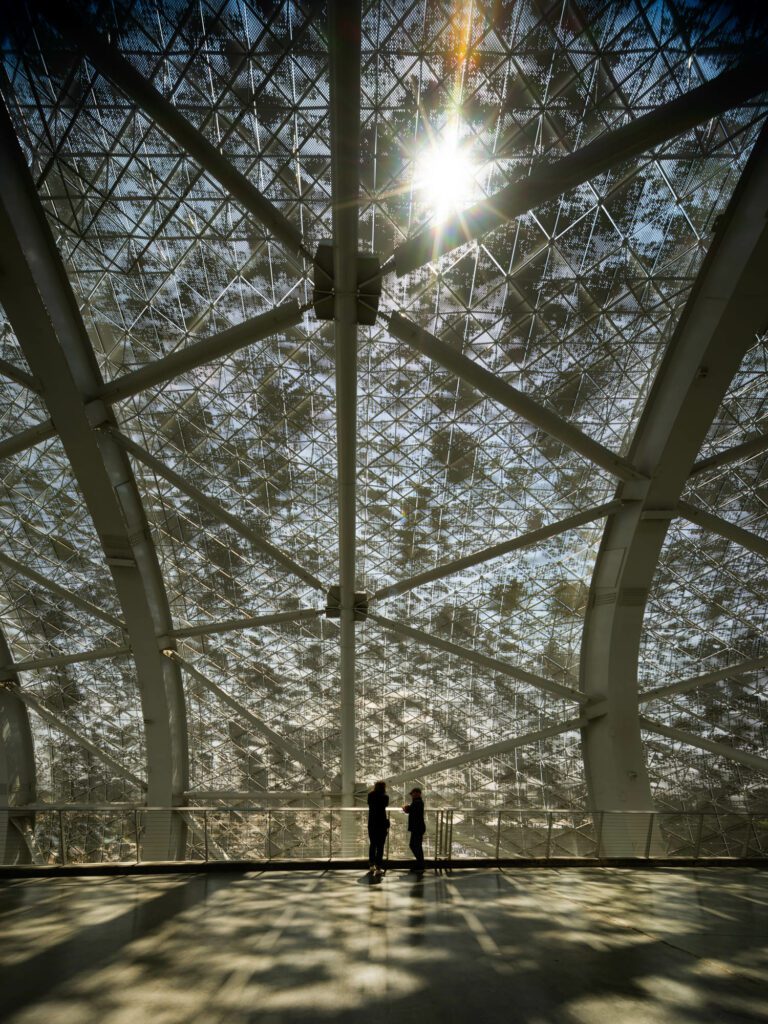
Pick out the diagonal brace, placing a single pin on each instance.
(482, 753)
(548, 181)
(54, 588)
(502, 667)
(499, 391)
(202, 352)
(110, 63)
(94, 749)
(215, 508)
(486, 554)
(714, 524)
(310, 764)
(760, 764)
(248, 622)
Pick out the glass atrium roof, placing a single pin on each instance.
(573, 303)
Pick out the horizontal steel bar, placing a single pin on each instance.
(249, 622)
(59, 660)
(202, 352)
(516, 401)
(486, 554)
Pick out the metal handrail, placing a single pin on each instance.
(75, 833)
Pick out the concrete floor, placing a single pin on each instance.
(537, 946)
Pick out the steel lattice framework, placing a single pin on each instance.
(546, 463)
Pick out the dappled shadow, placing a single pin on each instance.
(533, 946)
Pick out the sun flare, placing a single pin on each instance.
(445, 179)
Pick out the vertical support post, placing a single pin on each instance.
(269, 835)
(599, 836)
(745, 851)
(62, 845)
(450, 837)
(697, 849)
(549, 835)
(498, 835)
(330, 833)
(205, 835)
(136, 834)
(345, 26)
(649, 837)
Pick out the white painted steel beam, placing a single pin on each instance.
(44, 314)
(483, 753)
(760, 764)
(715, 524)
(211, 505)
(736, 671)
(525, 540)
(26, 380)
(248, 622)
(58, 591)
(505, 394)
(274, 321)
(112, 65)
(727, 308)
(60, 660)
(94, 749)
(311, 765)
(344, 38)
(27, 439)
(754, 446)
(482, 660)
(548, 181)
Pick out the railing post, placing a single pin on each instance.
(549, 835)
(450, 837)
(205, 835)
(269, 835)
(438, 816)
(746, 837)
(330, 833)
(651, 820)
(698, 836)
(62, 846)
(599, 836)
(137, 834)
(498, 835)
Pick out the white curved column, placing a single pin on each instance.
(43, 311)
(727, 308)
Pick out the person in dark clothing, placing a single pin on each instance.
(416, 826)
(378, 823)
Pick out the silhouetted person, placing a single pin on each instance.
(378, 823)
(416, 826)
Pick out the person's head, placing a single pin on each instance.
(380, 786)
(415, 793)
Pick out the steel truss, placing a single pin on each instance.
(725, 312)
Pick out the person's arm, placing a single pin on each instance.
(407, 808)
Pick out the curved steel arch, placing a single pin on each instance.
(727, 308)
(43, 311)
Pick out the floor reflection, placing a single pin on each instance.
(529, 945)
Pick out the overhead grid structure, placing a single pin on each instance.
(318, 467)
